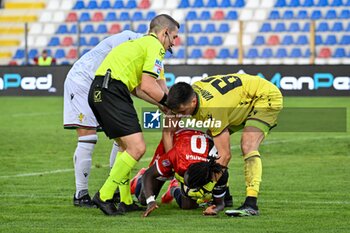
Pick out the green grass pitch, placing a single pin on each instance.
(305, 188)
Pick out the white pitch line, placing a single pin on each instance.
(150, 158)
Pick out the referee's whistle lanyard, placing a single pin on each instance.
(106, 79)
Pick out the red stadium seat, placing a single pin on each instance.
(67, 41)
(209, 53)
(325, 53)
(72, 17)
(72, 53)
(97, 17)
(115, 28)
(144, 4)
(273, 40)
(177, 41)
(219, 15)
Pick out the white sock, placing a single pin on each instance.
(82, 161)
(113, 155)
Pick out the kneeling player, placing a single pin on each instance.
(192, 161)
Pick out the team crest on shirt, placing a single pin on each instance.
(162, 52)
(81, 117)
(158, 65)
(166, 163)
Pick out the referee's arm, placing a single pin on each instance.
(150, 86)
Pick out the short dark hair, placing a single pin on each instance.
(162, 21)
(179, 93)
(199, 174)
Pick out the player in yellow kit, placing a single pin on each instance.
(132, 67)
(236, 101)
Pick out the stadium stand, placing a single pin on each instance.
(274, 31)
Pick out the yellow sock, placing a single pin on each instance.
(252, 172)
(120, 170)
(125, 193)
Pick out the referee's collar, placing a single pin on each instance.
(154, 35)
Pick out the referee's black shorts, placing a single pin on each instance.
(113, 108)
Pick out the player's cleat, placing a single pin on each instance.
(243, 211)
(133, 181)
(107, 207)
(84, 201)
(116, 197)
(129, 208)
(228, 201)
(167, 197)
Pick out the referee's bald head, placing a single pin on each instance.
(162, 21)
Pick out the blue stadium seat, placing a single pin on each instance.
(212, 4)
(88, 29)
(337, 27)
(223, 53)
(302, 40)
(331, 14)
(180, 54)
(127, 27)
(79, 5)
(308, 3)
(280, 3)
(60, 53)
(84, 17)
(281, 53)
(331, 40)
(316, 14)
(224, 27)
(124, 16)
(323, 27)
(339, 53)
(102, 28)
(19, 54)
(280, 27)
(266, 27)
(142, 28)
(54, 41)
(118, 4)
(296, 53)
(191, 41)
(259, 40)
(267, 53)
(167, 55)
(205, 15)
(105, 4)
(306, 27)
(94, 40)
(302, 14)
(288, 14)
(84, 51)
(196, 28)
(274, 14)
(239, 3)
(235, 53)
(92, 5)
(33, 53)
(191, 15)
(73, 29)
(62, 29)
(294, 27)
(203, 41)
(318, 40)
(131, 4)
(294, 3)
(150, 15)
(307, 53)
(182, 28)
(198, 4)
(184, 4)
(348, 28)
(225, 3)
(347, 3)
(252, 53)
(232, 15)
(344, 14)
(337, 3)
(210, 28)
(111, 16)
(196, 53)
(287, 40)
(216, 41)
(82, 41)
(137, 16)
(322, 3)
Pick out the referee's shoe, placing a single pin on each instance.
(107, 207)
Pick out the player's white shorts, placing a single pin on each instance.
(76, 110)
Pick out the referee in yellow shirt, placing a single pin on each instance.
(233, 102)
(132, 67)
